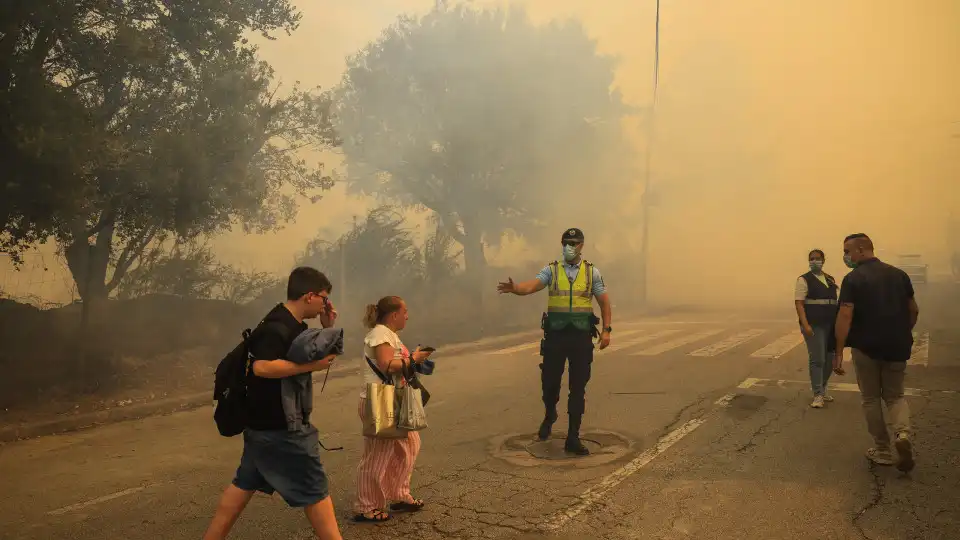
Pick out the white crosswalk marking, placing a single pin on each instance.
(622, 334)
(618, 345)
(518, 348)
(679, 342)
(921, 349)
(781, 346)
(728, 343)
(536, 345)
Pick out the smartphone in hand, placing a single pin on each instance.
(427, 349)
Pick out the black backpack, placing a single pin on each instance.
(230, 384)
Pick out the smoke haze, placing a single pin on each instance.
(779, 127)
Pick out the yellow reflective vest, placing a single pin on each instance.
(570, 303)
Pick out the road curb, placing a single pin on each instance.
(77, 422)
(108, 416)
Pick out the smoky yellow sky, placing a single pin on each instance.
(780, 126)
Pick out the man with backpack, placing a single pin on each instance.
(275, 458)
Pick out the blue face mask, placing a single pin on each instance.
(816, 266)
(569, 253)
(847, 260)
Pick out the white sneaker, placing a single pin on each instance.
(817, 402)
(828, 399)
(905, 461)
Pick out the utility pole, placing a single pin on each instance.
(647, 202)
(343, 272)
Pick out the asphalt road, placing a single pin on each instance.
(702, 428)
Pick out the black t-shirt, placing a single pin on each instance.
(880, 294)
(264, 407)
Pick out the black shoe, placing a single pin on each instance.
(546, 427)
(576, 447)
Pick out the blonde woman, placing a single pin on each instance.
(387, 464)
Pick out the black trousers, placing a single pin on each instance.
(558, 347)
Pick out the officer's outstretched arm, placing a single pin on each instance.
(528, 287)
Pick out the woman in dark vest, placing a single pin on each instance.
(816, 303)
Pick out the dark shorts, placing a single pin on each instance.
(284, 462)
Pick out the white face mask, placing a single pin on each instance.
(569, 253)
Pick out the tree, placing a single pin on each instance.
(191, 270)
(493, 123)
(380, 256)
(439, 257)
(380, 253)
(126, 123)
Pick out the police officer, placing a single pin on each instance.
(569, 328)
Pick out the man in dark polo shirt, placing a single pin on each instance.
(276, 459)
(877, 314)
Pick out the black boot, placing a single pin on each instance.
(547, 425)
(573, 444)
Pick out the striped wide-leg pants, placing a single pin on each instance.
(385, 469)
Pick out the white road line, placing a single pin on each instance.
(617, 342)
(98, 500)
(921, 349)
(780, 347)
(728, 343)
(679, 342)
(536, 345)
(517, 348)
(593, 495)
(597, 350)
(618, 345)
(727, 320)
(839, 387)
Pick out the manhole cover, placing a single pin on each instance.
(526, 450)
(553, 448)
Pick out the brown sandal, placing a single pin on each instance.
(414, 506)
(376, 516)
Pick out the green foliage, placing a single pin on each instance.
(379, 250)
(128, 121)
(379, 255)
(191, 270)
(479, 116)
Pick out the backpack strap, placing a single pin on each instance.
(248, 356)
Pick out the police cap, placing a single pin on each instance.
(572, 234)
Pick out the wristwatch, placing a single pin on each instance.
(608, 329)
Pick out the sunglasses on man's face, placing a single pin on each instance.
(573, 243)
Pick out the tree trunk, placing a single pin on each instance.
(88, 264)
(475, 265)
(474, 259)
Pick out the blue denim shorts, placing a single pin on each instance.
(284, 462)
